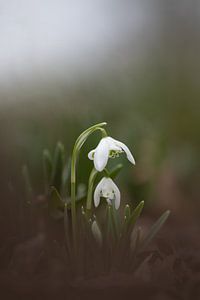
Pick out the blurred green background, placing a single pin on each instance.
(137, 69)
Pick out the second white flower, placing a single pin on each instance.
(107, 189)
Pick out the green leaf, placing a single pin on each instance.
(58, 166)
(115, 171)
(154, 229)
(127, 212)
(66, 177)
(135, 239)
(47, 167)
(116, 220)
(131, 219)
(79, 201)
(91, 181)
(135, 215)
(96, 232)
(55, 204)
(81, 191)
(127, 215)
(110, 225)
(28, 186)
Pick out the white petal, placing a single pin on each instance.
(127, 151)
(117, 195)
(112, 144)
(111, 185)
(91, 154)
(101, 155)
(97, 193)
(106, 183)
(117, 199)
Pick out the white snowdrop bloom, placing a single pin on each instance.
(106, 188)
(108, 147)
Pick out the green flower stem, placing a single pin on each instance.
(103, 132)
(91, 181)
(78, 144)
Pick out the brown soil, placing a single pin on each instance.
(34, 267)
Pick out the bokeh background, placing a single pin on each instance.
(66, 65)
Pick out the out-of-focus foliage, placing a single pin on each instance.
(148, 92)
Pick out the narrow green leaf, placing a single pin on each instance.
(58, 166)
(127, 212)
(91, 181)
(135, 239)
(79, 201)
(115, 171)
(155, 228)
(66, 177)
(81, 191)
(55, 204)
(135, 215)
(28, 186)
(47, 167)
(116, 220)
(110, 227)
(86, 221)
(96, 231)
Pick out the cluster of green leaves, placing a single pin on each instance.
(56, 170)
(116, 231)
(56, 175)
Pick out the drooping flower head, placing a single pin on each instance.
(108, 147)
(107, 189)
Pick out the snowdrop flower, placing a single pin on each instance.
(107, 189)
(108, 147)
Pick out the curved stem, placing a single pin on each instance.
(92, 178)
(103, 132)
(77, 146)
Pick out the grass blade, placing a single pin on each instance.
(155, 228)
(66, 178)
(110, 225)
(28, 186)
(135, 215)
(115, 171)
(55, 204)
(47, 166)
(58, 166)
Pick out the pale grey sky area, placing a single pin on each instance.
(64, 38)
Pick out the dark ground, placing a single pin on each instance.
(32, 266)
